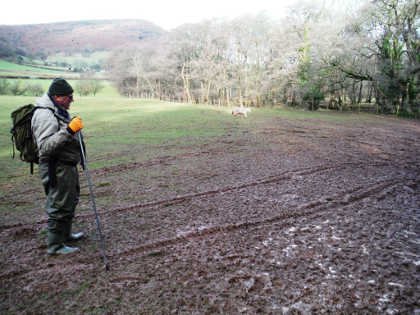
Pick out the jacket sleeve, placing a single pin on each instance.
(48, 134)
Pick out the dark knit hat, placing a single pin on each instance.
(60, 87)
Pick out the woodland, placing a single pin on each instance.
(344, 55)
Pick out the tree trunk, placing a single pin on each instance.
(403, 103)
(208, 92)
(353, 93)
(138, 86)
(202, 94)
(412, 95)
(360, 93)
(186, 82)
(370, 93)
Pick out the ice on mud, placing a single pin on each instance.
(365, 251)
(289, 249)
(267, 242)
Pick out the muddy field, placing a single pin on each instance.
(286, 217)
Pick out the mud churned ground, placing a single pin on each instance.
(283, 217)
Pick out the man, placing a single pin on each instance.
(59, 153)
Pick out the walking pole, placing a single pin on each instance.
(92, 198)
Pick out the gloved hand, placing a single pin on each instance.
(75, 125)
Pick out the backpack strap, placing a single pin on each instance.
(53, 111)
(13, 142)
(52, 163)
(44, 107)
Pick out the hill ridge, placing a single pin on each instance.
(77, 36)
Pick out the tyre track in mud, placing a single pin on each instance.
(168, 202)
(165, 160)
(162, 160)
(286, 175)
(329, 203)
(317, 208)
(180, 199)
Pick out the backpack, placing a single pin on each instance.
(22, 137)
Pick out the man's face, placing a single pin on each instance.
(64, 101)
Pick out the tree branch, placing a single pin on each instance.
(415, 70)
(352, 74)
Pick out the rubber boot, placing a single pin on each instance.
(57, 234)
(72, 236)
(76, 236)
(54, 241)
(66, 250)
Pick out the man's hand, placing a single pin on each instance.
(75, 125)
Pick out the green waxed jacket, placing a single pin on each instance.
(53, 139)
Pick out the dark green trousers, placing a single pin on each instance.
(62, 199)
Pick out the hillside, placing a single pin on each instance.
(77, 36)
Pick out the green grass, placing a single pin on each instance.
(78, 58)
(115, 124)
(108, 90)
(44, 83)
(13, 67)
(35, 69)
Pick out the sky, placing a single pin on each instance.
(167, 14)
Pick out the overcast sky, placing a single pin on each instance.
(165, 13)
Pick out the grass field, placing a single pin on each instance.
(76, 59)
(14, 70)
(118, 123)
(108, 90)
(9, 68)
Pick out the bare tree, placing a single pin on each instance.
(386, 43)
(334, 50)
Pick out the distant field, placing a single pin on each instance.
(9, 68)
(78, 59)
(108, 90)
(19, 71)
